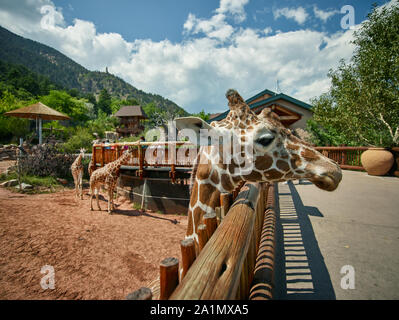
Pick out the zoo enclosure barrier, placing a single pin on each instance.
(235, 259)
(157, 154)
(347, 157)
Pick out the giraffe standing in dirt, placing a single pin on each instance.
(91, 166)
(108, 176)
(276, 155)
(77, 174)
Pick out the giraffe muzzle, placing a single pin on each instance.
(328, 181)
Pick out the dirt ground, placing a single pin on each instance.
(94, 255)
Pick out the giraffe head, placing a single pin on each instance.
(264, 150)
(82, 152)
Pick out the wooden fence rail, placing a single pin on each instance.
(346, 157)
(232, 256)
(158, 154)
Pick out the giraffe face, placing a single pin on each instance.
(278, 155)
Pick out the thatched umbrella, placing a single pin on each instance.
(38, 111)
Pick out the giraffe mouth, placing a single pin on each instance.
(328, 181)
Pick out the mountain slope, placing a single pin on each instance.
(67, 73)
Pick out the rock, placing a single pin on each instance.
(62, 181)
(9, 183)
(24, 186)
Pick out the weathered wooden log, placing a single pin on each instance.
(262, 284)
(215, 274)
(169, 277)
(140, 294)
(187, 247)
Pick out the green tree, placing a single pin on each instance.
(63, 102)
(11, 127)
(104, 102)
(363, 101)
(202, 114)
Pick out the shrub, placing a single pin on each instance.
(47, 160)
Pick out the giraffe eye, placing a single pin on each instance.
(265, 140)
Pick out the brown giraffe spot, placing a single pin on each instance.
(309, 155)
(263, 162)
(203, 171)
(273, 174)
(292, 146)
(215, 177)
(194, 192)
(299, 171)
(254, 176)
(209, 195)
(226, 183)
(295, 161)
(283, 165)
(241, 126)
(288, 175)
(198, 214)
(236, 179)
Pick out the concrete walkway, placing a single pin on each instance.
(338, 245)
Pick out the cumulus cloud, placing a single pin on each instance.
(195, 73)
(298, 14)
(234, 7)
(323, 15)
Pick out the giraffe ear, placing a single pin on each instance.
(196, 130)
(268, 114)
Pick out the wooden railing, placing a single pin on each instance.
(346, 157)
(236, 258)
(158, 154)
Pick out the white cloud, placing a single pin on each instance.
(298, 14)
(323, 15)
(234, 7)
(215, 27)
(196, 72)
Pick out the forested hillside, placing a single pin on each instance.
(66, 73)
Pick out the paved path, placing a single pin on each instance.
(318, 233)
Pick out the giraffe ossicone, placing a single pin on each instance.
(248, 147)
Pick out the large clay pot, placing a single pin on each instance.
(377, 161)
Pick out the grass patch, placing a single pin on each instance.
(40, 184)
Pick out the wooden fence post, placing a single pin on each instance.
(187, 247)
(211, 223)
(202, 236)
(169, 277)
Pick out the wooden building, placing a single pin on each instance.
(131, 120)
(293, 113)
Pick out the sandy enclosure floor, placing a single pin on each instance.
(95, 255)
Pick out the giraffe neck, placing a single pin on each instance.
(209, 181)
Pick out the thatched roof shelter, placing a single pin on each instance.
(38, 111)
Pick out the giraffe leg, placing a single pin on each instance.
(91, 197)
(110, 194)
(98, 203)
(81, 185)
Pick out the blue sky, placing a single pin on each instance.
(163, 19)
(192, 51)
